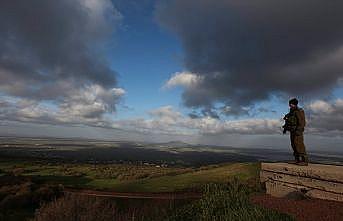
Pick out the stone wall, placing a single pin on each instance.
(315, 180)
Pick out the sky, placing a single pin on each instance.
(199, 71)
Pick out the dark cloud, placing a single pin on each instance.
(234, 110)
(193, 115)
(48, 48)
(248, 50)
(53, 66)
(210, 112)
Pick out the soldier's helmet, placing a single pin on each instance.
(293, 101)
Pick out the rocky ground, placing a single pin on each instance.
(303, 209)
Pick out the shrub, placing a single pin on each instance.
(18, 202)
(88, 208)
(228, 202)
(220, 202)
(75, 207)
(46, 193)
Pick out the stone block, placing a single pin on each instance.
(290, 180)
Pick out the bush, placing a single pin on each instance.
(85, 208)
(18, 202)
(220, 202)
(47, 193)
(74, 207)
(228, 202)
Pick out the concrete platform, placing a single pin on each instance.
(315, 180)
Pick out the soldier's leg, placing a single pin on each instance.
(293, 144)
(300, 148)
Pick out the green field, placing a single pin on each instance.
(30, 185)
(194, 179)
(127, 178)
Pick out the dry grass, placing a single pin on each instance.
(72, 207)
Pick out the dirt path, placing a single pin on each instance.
(303, 210)
(167, 196)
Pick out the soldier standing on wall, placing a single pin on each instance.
(295, 124)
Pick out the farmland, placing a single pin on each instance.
(121, 177)
(37, 176)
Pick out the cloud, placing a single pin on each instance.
(166, 120)
(326, 117)
(320, 107)
(166, 113)
(45, 41)
(91, 101)
(235, 110)
(185, 79)
(247, 51)
(340, 82)
(323, 118)
(118, 91)
(54, 52)
(84, 106)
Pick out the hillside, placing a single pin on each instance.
(127, 178)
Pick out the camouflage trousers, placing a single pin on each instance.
(298, 146)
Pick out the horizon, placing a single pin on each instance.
(192, 145)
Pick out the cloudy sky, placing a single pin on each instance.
(201, 71)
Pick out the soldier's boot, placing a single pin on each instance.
(304, 161)
(296, 160)
(305, 158)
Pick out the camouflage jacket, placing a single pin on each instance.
(295, 121)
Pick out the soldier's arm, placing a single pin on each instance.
(301, 120)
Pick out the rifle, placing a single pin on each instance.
(289, 123)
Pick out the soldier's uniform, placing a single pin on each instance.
(297, 134)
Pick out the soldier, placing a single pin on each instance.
(295, 124)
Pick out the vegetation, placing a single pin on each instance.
(226, 202)
(127, 177)
(193, 180)
(29, 186)
(19, 196)
(75, 207)
(221, 202)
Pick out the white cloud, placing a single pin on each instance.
(326, 117)
(166, 120)
(320, 106)
(166, 113)
(88, 107)
(91, 101)
(118, 91)
(185, 79)
(340, 82)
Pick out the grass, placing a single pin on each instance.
(128, 178)
(226, 202)
(19, 214)
(19, 197)
(197, 179)
(226, 193)
(220, 202)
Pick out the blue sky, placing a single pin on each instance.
(145, 56)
